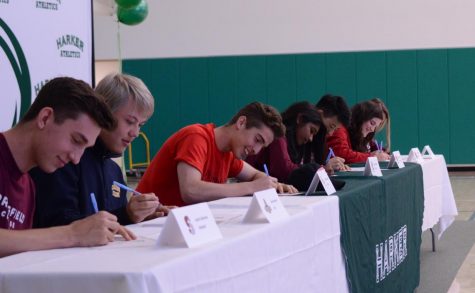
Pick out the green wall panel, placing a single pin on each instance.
(281, 81)
(433, 100)
(430, 93)
(462, 105)
(193, 102)
(222, 89)
(251, 76)
(402, 99)
(310, 77)
(341, 75)
(166, 90)
(371, 76)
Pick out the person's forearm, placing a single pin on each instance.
(207, 191)
(13, 241)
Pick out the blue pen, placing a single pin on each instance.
(266, 170)
(377, 145)
(94, 202)
(125, 187)
(330, 154)
(381, 145)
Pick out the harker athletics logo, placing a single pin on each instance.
(70, 40)
(18, 70)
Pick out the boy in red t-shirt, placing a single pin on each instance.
(193, 164)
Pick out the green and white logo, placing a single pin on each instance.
(15, 78)
(70, 41)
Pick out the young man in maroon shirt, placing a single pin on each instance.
(63, 121)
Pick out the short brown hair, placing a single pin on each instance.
(69, 97)
(258, 114)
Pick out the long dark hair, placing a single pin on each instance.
(360, 113)
(295, 116)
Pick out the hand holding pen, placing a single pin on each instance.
(142, 206)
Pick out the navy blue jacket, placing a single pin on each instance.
(64, 196)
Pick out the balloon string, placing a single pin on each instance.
(119, 45)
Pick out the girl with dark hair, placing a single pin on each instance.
(355, 143)
(283, 155)
(334, 112)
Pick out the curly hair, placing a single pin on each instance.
(258, 114)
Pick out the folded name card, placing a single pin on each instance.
(396, 160)
(190, 226)
(265, 205)
(428, 151)
(415, 156)
(326, 182)
(372, 168)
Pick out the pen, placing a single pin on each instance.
(330, 155)
(125, 187)
(381, 145)
(266, 170)
(94, 202)
(377, 145)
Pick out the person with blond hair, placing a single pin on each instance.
(65, 196)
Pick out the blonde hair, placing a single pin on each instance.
(118, 88)
(386, 122)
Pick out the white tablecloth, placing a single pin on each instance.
(301, 254)
(439, 201)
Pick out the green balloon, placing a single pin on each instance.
(127, 4)
(133, 15)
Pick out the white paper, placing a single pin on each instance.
(427, 150)
(396, 160)
(265, 205)
(415, 156)
(372, 167)
(326, 182)
(191, 226)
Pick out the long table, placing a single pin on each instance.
(301, 254)
(381, 220)
(439, 202)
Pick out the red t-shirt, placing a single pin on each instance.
(340, 142)
(17, 192)
(196, 146)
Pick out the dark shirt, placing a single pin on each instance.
(64, 196)
(17, 192)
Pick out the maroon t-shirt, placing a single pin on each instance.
(17, 192)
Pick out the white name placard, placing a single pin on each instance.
(265, 205)
(415, 156)
(189, 226)
(326, 182)
(372, 168)
(396, 160)
(428, 151)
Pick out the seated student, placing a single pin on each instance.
(335, 113)
(285, 154)
(193, 164)
(354, 144)
(64, 196)
(65, 118)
